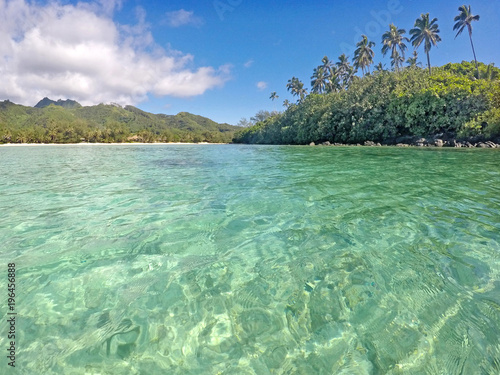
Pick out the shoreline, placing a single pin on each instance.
(108, 144)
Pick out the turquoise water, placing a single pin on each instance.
(228, 259)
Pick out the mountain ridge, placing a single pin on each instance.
(68, 103)
(66, 121)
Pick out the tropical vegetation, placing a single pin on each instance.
(383, 107)
(461, 100)
(69, 122)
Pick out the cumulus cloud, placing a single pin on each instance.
(261, 85)
(79, 52)
(181, 18)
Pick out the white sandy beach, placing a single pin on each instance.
(108, 144)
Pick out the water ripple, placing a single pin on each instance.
(253, 259)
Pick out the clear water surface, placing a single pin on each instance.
(226, 259)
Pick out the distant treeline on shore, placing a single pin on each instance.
(66, 121)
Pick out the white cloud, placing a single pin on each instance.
(78, 52)
(248, 64)
(181, 18)
(261, 85)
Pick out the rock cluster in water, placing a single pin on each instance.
(439, 140)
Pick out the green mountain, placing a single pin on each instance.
(68, 103)
(66, 121)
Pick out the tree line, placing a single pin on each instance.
(105, 124)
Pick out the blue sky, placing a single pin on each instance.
(220, 59)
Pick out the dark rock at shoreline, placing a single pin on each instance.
(406, 139)
(437, 140)
(487, 144)
(421, 142)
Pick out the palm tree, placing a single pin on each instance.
(301, 91)
(273, 97)
(343, 68)
(319, 80)
(333, 83)
(296, 87)
(327, 65)
(412, 61)
(330, 74)
(465, 18)
(363, 56)
(394, 40)
(379, 68)
(286, 103)
(344, 72)
(425, 31)
(397, 59)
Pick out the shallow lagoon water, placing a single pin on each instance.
(230, 259)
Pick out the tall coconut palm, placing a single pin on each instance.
(425, 31)
(330, 74)
(273, 97)
(343, 63)
(290, 86)
(327, 65)
(464, 19)
(333, 83)
(344, 72)
(343, 67)
(363, 56)
(394, 40)
(319, 80)
(296, 87)
(301, 91)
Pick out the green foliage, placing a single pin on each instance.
(383, 107)
(53, 123)
(487, 124)
(465, 68)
